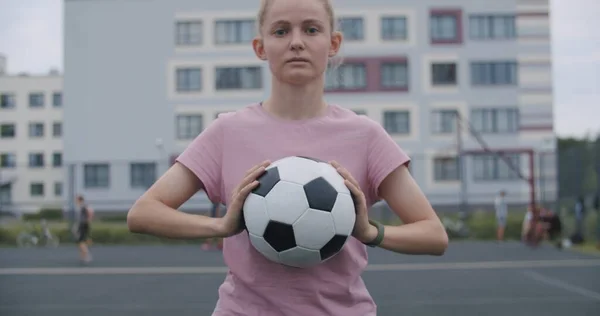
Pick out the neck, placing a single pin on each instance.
(296, 102)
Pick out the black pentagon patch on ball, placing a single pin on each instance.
(333, 246)
(311, 158)
(266, 182)
(280, 236)
(320, 194)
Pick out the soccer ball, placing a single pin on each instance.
(301, 213)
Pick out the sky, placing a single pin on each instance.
(31, 39)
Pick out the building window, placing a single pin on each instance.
(142, 175)
(396, 122)
(444, 27)
(394, 75)
(495, 121)
(57, 99)
(188, 33)
(351, 76)
(7, 101)
(443, 74)
(188, 126)
(238, 78)
(446, 169)
(57, 160)
(394, 28)
(483, 27)
(36, 189)
(36, 160)
(96, 175)
(189, 79)
(7, 130)
(8, 160)
(57, 129)
(234, 31)
(493, 167)
(58, 188)
(352, 28)
(36, 100)
(494, 73)
(36, 130)
(443, 121)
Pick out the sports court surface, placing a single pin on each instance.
(472, 278)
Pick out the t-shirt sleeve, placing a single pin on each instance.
(384, 156)
(203, 157)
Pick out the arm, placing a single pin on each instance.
(90, 213)
(155, 212)
(422, 231)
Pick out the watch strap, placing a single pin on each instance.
(380, 233)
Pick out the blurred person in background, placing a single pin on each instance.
(501, 214)
(84, 215)
(541, 224)
(597, 207)
(578, 237)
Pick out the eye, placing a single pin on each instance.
(312, 30)
(279, 32)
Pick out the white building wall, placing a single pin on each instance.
(21, 176)
(133, 86)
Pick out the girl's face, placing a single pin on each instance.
(297, 40)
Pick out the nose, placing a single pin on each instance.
(297, 43)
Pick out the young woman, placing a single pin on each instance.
(297, 39)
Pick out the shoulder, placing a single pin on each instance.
(245, 114)
(358, 121)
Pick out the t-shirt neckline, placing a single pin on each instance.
(276, 119)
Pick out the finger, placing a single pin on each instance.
(243, 194)
(357, 194)
(251, 177)
(249, 171)
(347, 175)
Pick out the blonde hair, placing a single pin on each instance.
(264, 7)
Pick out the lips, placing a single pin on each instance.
(298, 60)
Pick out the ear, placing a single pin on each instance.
(259, 48)
(336, 43)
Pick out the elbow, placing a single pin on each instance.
(135, 218)
(441, 240)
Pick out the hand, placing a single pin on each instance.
(231, 223)
(363, 230)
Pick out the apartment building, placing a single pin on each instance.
(145, 89)
(31, 174)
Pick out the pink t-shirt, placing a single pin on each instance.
(234, 143)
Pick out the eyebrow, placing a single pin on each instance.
(307, 21)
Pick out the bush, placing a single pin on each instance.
(481, 224)
(50, 214)
(101, 233)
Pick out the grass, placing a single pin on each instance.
(589, 248)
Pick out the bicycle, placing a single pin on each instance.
(32, 237)
(457, 227)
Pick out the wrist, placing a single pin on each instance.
(370, 234)
(218, 227)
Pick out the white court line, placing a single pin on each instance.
(372, 267)
(563, 285)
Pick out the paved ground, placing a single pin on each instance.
(471, 279)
